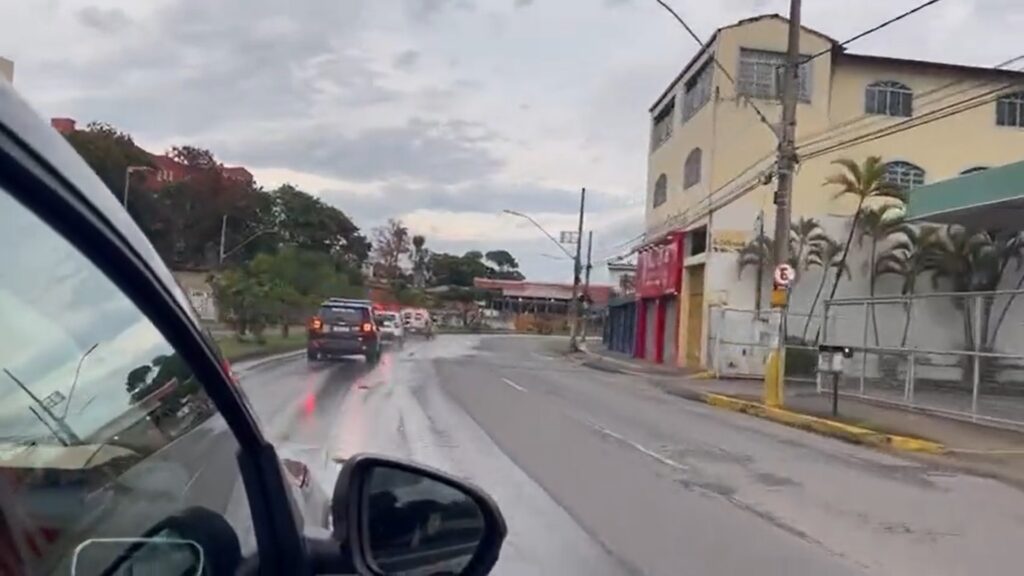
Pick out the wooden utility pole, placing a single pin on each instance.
(574, 306)
(586, 284)
(787, 140)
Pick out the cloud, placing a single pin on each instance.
(406, 60)
(522, 3)
(106, 20)
(440, 152)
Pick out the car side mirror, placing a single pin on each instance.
(397, 517)
(198, 541)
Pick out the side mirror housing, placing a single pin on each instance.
(398, 517)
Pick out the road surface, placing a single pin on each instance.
(601, 473)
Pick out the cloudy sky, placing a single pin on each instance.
(438, 112)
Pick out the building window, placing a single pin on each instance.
(697, 91)
(889, 98)
(691, 168)
(904, 175)
(662, 129)
(974, 170)
(761, 74)
(660, 191)
(1010, 110)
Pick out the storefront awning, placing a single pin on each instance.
(991, 199)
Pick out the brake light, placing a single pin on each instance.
(367, 327)
(315, 324)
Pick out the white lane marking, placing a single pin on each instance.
(541, 356)
(639, 447)
(513, 384)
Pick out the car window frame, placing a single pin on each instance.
(30, 153)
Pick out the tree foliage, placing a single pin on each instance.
(109, 152)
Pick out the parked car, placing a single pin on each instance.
(343, 327)
(391, 328)
(158, 494)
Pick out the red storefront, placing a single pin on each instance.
(658, 281)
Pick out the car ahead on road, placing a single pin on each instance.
(150, 459)
(418, 321)
(391, 328)
(343, 327)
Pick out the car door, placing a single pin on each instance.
(115, 414)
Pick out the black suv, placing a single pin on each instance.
(343, 327)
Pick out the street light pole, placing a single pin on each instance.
(69, 434)
(586, 285)
(223, 233)
(74, 382)
(539, 227)
(128, 180)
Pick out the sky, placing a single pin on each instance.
(441, 113)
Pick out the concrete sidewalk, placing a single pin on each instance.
(979, 449)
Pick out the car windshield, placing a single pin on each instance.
(686, 287)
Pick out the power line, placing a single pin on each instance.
(760, 115)
(871, 30)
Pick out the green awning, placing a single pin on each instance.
(991, 199)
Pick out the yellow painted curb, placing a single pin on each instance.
(824, 426)
(702, 375)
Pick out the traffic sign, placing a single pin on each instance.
(784, 275)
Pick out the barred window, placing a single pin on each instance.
(691, 168)
(889, 98)
(662, 129)
(761, 74)
(660, 191)
(1010, 110)
(904, 175)
(697, 91)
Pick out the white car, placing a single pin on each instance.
(389, 324)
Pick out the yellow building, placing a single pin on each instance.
(711, 157)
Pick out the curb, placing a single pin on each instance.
(253, 363)
(847, 432)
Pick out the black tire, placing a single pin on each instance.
(312, 356)
(373, 357)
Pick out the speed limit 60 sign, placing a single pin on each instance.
(784, 275)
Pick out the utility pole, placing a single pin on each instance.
(70, 435)
(586, 285)
(787, 142)
(574, 306)
(223, 232)
(774, 383)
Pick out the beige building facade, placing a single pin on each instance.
(711, 160)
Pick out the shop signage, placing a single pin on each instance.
(659, 268)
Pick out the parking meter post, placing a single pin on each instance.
(835, 394)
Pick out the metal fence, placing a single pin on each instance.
(960, 354)
(739, 341)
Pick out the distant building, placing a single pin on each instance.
(7, 70)
(622, 276)
(521, 296)
(63, 125)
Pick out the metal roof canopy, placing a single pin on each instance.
(992, 199)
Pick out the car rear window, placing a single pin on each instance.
(344, 315)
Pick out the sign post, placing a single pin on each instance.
(775, 370)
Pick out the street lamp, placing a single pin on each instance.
(223, 234)
(541, 228)
(128, 180)
(74, 382)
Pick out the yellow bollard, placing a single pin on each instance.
(772, 388)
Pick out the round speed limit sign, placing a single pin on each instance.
(784, 275)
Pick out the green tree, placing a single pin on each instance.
(877, 224)
(867, 184)
(451, 270)
(306, 222)
(905, 259)
(420, 261)
(827, 255)
(109, 152)
(391, 243)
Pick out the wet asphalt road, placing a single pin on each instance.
(601, 473)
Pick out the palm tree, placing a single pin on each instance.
(877, 224)
(804, 235)
(905, 259)
(866, 182)
(420, 260)
(826, 254)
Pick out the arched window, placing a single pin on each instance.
(904, 174)
(974, 170)
(1010, 110)
(660, 191)
(889, 98)
(691, 168)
